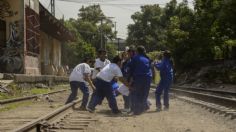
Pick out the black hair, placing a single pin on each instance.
(100, 51)
(116, 59)
(86, 59)
(167, 54)
(141, 50)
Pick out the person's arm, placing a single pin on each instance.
(123, 80)
(159, 65)
(88, 79)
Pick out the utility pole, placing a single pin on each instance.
(101, 34)
(53, 7)
(118, 44)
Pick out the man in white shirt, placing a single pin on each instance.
(104, 86)
(100, 63)
(80, 78)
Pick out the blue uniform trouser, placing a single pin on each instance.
(139, 95)
(103, 89)
(74, 85)
(127, 102)
(163, 86)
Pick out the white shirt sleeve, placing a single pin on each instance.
(117, 72)
(87, 69)
(97, 64)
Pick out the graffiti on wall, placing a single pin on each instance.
(32, 32)
(11, 60)
(5, 9)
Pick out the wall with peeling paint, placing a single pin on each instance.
(11, 58)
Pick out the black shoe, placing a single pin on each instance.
(90, 110)
(116, 112)
(82, 108)
(158, 109)
(166, 108)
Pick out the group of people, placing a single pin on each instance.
(133, 69)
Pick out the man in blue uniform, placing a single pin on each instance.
(127, 56)
(166, 74)
(140, 69)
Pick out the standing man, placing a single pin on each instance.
(80, 78)
(127, 56)
(140, 67)
(100, 63)
(104, 86)
(166, 74)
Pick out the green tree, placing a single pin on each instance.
(87, 29)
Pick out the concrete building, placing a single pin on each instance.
(30, 39)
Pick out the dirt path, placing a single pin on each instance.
(182, 117)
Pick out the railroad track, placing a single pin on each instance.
(220, 102)
(209, 91)
(62, 119)
(15, 100)
(214, 101)
(19, 111)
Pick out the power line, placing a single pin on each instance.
(111, 4)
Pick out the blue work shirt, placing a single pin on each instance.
(166, 69)
(140, 66)
(125, 69)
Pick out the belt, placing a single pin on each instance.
(101, 79)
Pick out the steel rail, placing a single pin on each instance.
(14, 100)
(35, 123)
(228, 102)
(207, 90)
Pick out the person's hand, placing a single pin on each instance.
(93, 87)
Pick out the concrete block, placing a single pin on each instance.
(1, 76)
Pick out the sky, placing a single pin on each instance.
(121, 10)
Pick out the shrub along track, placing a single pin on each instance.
(24, 110)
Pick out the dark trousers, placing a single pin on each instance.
(103, 89)
(139, 95)
(127, 102)
(74, 85)
(163, 86)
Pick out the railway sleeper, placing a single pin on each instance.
(214, 108)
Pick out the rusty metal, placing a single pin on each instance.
(7, 101)
(213, 91)
(34, 124)
(228, 102)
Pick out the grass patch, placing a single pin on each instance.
(4, 96)
(20, 92)
(39, 91)
(15, 105)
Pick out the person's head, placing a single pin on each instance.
(167, 54)
(117, 60)
(131, 51)
(141, 50)
(88, 61)
(124, 55)
(102, 54)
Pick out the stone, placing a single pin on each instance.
(1, 76)
(221, 86)
(40, 85)
(218, 82)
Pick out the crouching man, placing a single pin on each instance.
(104, 86)
(80, 78)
